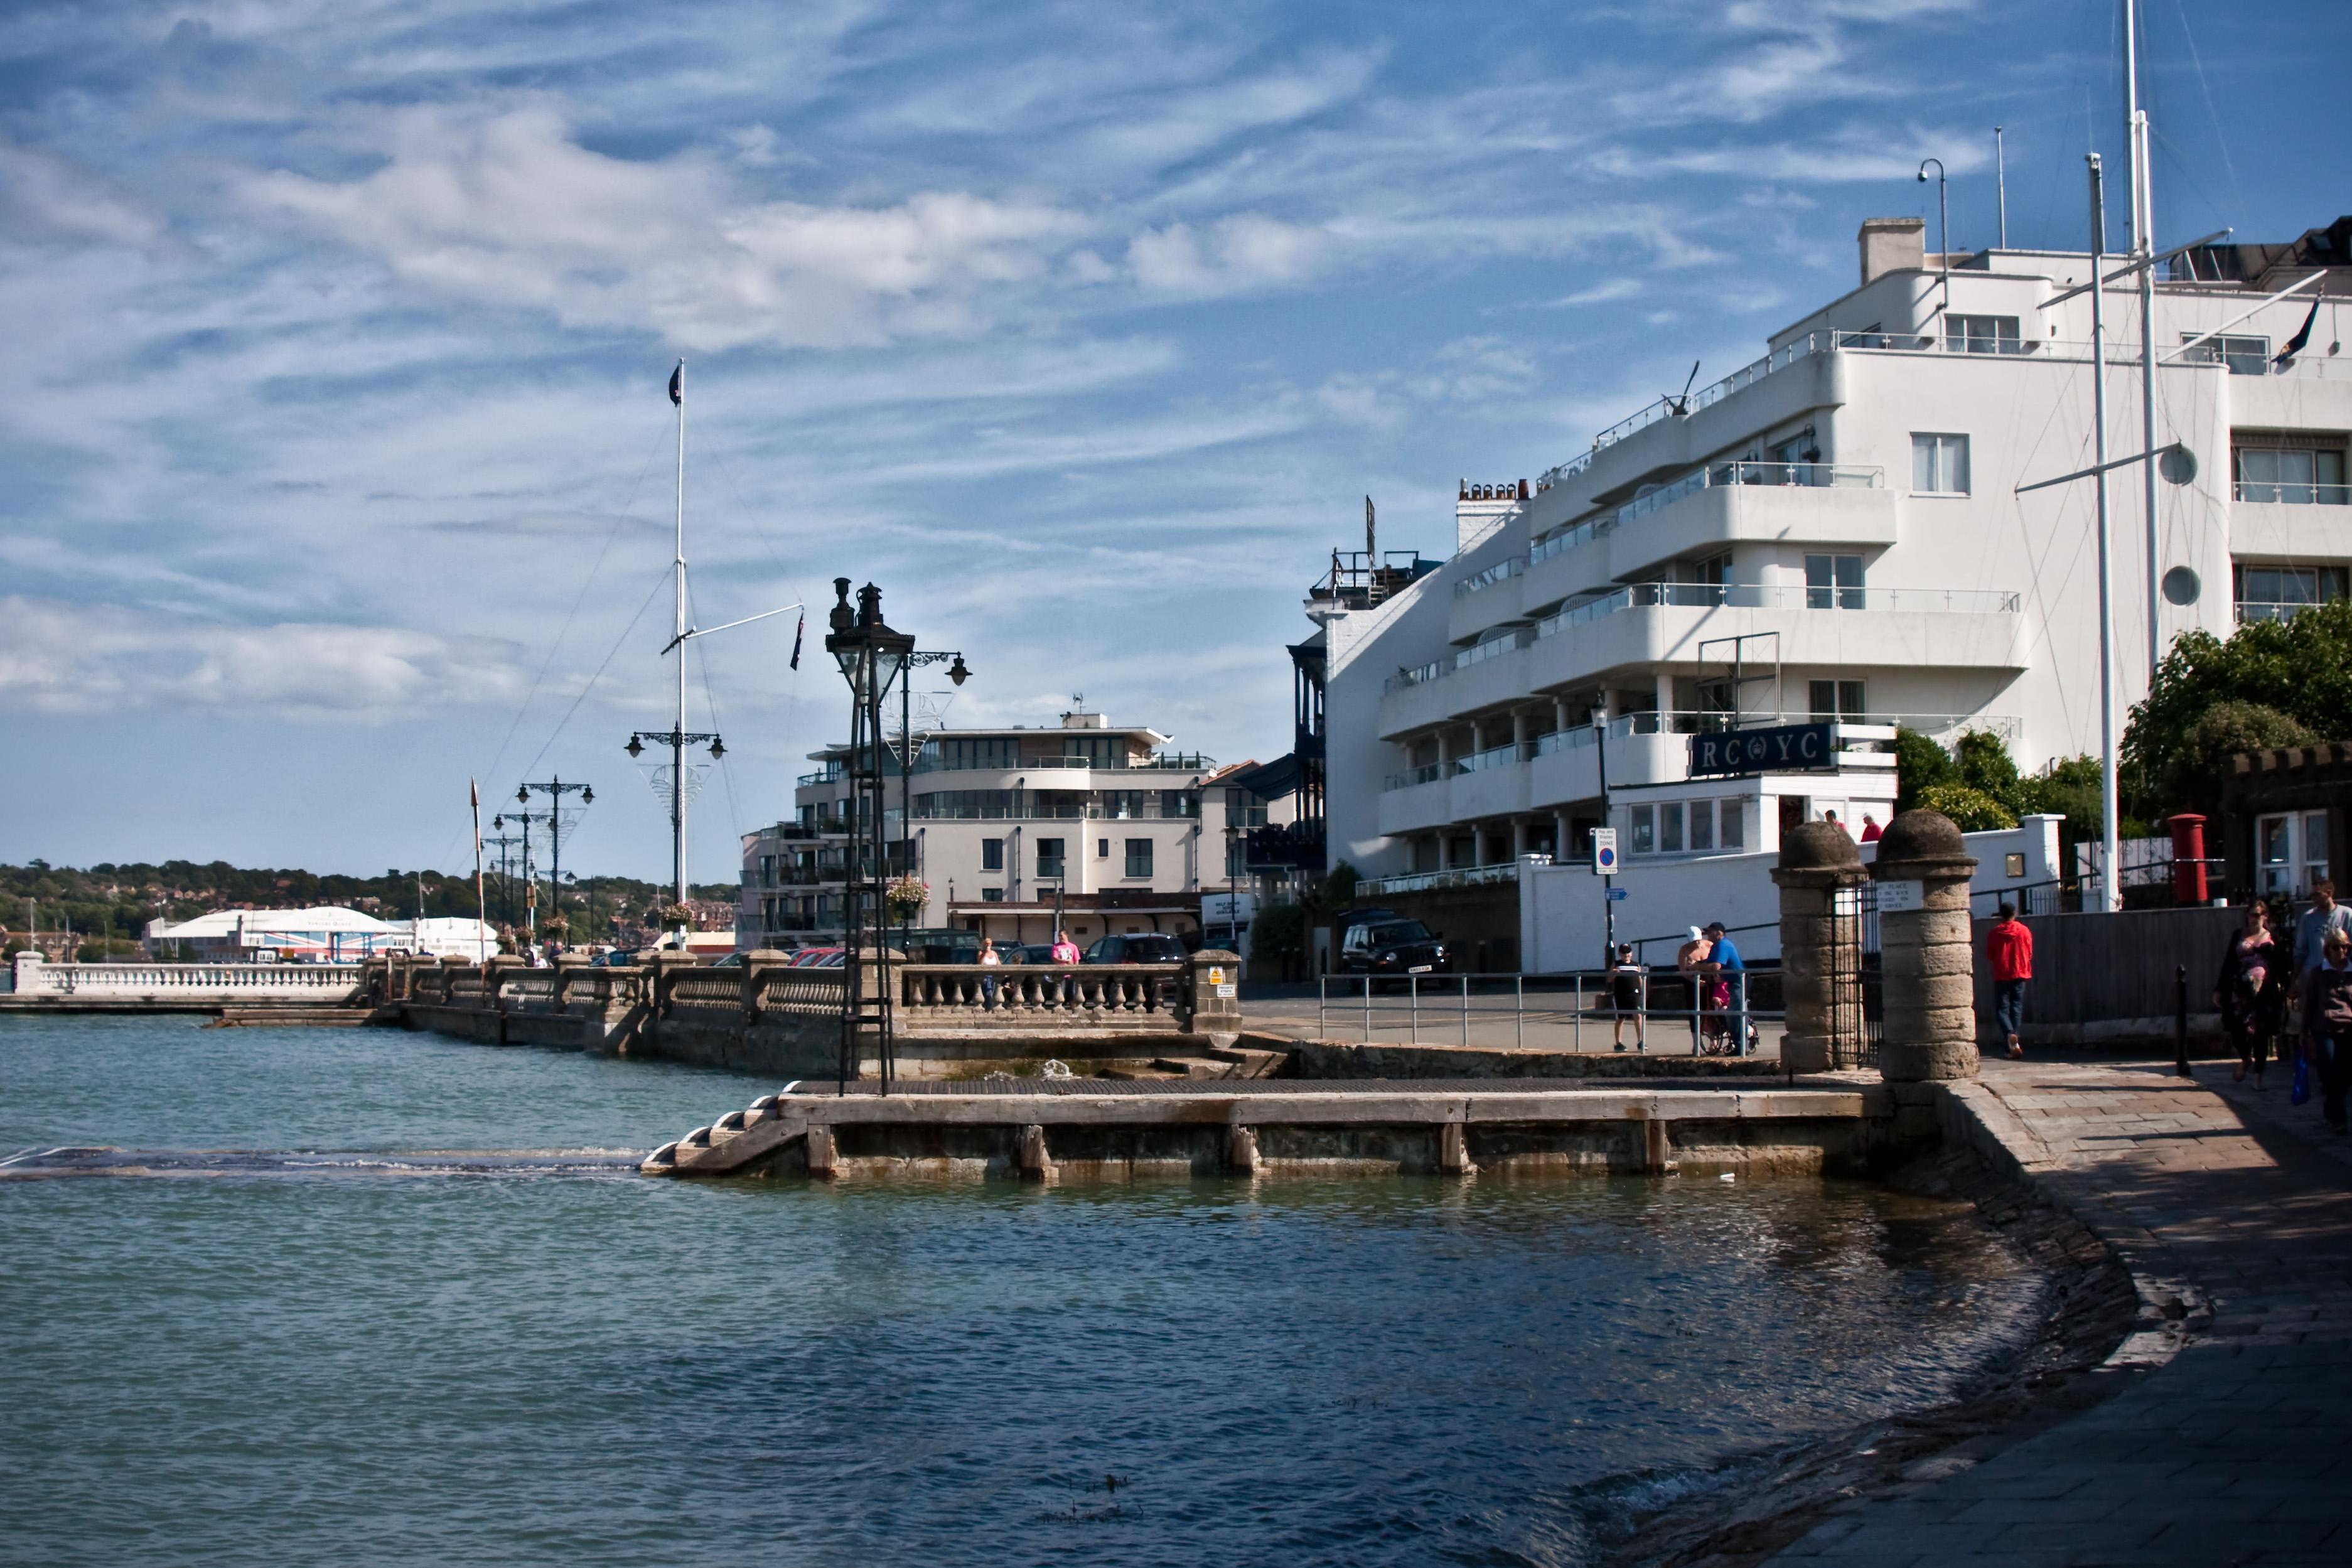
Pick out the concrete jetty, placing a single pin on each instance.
(1024, 1129)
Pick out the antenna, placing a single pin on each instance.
(2000, 185)
(1681, 406)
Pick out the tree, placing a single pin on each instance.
(2199, 768)
(1919, 764)
(1278, 933)
(1983, 763)
(2299, 668)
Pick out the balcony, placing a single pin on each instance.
(1716, 476)
(2253, 610)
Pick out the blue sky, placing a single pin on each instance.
(334, 460)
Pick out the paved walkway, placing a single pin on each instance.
(2238, 1450)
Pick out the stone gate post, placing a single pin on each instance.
(1820, 956)
(1922, 872)
(1215, 986)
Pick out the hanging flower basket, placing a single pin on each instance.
(906, 897)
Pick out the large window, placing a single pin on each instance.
(1980, 334)
(2297, 475)
(1646, 831)
(1049, 858)
(1138, 856)
(2275, 593)
(2291, 852)
(1833, 583)
(1100, 750)
(992, 853)
(1836, 699)
(1670, 828)
(2245, 354)
(1939, 465)
(954, 753)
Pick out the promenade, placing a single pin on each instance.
(2237, 1449)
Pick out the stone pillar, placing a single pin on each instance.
(1518, 837)
(1215, 985)
(1921, 871)
(1519, 730)
(1820, 956)
(758, 965)
(666, 967)
(569, 967)
(1559, 712)
(1561, 849)
(1665, 690)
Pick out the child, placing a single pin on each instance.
(1625, 980)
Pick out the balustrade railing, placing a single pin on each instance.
(319, 980)
(934, 991)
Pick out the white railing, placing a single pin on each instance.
(2249, 610)
(1435, 669)
(1944, 726)
(1714, 476)
(323, 982)
(1751, 596)
(2278, 492)
(1465, 877)
(1494, 648)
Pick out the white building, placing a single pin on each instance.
(1835, 532)
(1006, 826)
(329, 933)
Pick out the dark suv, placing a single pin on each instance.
(1143, 947)
(1393, 947)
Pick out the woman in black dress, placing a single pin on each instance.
(2252, 990)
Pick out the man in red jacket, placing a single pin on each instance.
(2009, 950)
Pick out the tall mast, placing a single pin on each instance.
(677, 731)
(2144, 251)
(2109, 830)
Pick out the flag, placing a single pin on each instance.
(677, 383)
(2285, 356)
(797, 630)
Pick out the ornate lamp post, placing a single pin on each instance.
(555, 789)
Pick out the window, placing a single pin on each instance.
(1833, 581)
(2314, 848)
(1732, 817)
(2245, 354)
(1179, 802)
(2297, 475)
(2291, 852)
(1244, 809)
(1702, 825)
(1138, 856)
(1238, 858)
(1939, 465)
(1099, 750)
(1645, 832)
(1049, 858)
(992, 853)
(973, 751)
(1836, 699)
(1670, 828)
(1981, 335)
(992, 895)
(2275, 593)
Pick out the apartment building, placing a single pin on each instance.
(1835, 531)
(1100, 826)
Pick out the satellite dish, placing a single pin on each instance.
(2178, 464)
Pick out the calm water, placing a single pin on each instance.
(571, 1364)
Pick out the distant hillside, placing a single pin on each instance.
(118, 900)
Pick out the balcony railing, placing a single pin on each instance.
(1427, 772)
(1795, 476)
(1500, 572)
(1941, 726)
(2252, 610)
(1495, 647)
(1162, 761)
(1435, 669)
(1428, 881)
(2275, 493)
(1492, 757)
(1752, 596)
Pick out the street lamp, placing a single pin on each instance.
(1943, 229)
(555, 789)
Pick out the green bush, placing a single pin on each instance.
(1971, 810)
(1919, 764)
(1278, 933)
(1983, 763)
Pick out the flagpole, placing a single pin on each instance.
(678, 733)
(2110, 829)
(2144, 251)
(481, 903)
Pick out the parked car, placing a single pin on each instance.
(1141, 947)
(820, 958)
(730, 961)
(1026, 953)
(611, 957)
(1396, 947)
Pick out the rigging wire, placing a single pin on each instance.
(658, 581)
(711, 700)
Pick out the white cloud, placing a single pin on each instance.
(43, 197)
(88, 659)
(511, 208)
(1246, 251)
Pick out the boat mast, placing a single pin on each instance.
(677, 730)
(2143, 188)
(2109, 830)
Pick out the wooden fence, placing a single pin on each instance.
(2101, 977)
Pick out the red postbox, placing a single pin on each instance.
(2187, 858)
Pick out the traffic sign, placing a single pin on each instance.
(1605, 851)
(1616, 895)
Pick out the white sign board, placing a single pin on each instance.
(1605, 851)
(1227, 992)
(1901, 898)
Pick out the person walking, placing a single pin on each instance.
(1695, 958)
(2250, 991)
(2008, 953)
(2324, 916)
(1626, 992)
(1066, 952)
(2327, 1023)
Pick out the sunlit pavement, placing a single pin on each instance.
(2235, 1451)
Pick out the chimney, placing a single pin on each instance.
(1893, 245)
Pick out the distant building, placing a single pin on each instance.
(1099, 822)
(330, 933)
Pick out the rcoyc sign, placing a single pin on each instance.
(1788, 747)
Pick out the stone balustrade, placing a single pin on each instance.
(228, 983)
(766, 1012)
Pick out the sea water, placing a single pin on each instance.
(342, 1322)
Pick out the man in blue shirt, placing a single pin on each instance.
(1726, 957)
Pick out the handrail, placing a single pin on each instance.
(1502, 571)
(1713, 476)
(2282, 492)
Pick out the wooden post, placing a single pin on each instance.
(1453, 1151)
(1241, 1150)
(1036, 1164)
(1655, 1147)
(823, 1156)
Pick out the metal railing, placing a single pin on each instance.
(1714, 476)
(2279, 492)
(1427, 772)
(1719, 1023)
(1754, 597)
(2250, 610)
(1495, 647)
(1500, 572)
(1460, 876)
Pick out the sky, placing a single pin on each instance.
(336, 467)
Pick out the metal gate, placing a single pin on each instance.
(1856, 1004)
